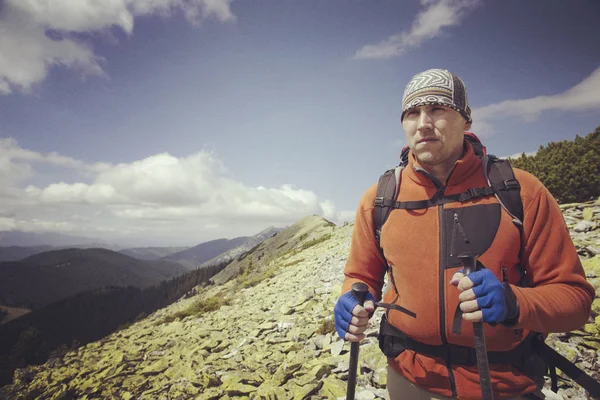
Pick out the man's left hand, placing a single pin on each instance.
(482, 296)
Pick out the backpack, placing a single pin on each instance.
(502, 184)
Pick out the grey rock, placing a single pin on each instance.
(584, 226)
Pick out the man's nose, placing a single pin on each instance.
(424, 121)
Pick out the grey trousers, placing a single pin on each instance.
(400, 388)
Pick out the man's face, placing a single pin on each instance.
(435, 133)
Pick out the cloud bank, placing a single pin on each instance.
(37, 35)
(156, 197)
(583, 96)
(433, 17)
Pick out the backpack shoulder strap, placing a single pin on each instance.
(499, 174)
(478, 147)
(387, 188)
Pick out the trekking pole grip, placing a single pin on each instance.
(359, 292)
(470, 265)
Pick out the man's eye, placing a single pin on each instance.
(438, 109)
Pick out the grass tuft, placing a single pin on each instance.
(198, 308)
(315, 241)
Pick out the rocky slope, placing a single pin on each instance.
(269, 336)
(302, 234)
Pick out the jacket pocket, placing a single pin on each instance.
(469, 229)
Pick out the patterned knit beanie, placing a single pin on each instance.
(436, 86)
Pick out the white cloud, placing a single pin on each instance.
(36, 35)
(158, 195)
(583, 96)
(434, 15)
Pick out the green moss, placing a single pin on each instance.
(592, 329)
(326, 326)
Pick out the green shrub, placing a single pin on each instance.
(569, 169)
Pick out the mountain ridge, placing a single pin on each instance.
(235, 252)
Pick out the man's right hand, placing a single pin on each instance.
(351, 319)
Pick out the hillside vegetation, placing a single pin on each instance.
(569, 169)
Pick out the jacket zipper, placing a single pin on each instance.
(442, 291)
(457, 227)
(441, 188)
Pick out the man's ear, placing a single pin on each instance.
(467, 126)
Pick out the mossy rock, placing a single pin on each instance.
(592, 329)
(592, 265)
(270, 390)
(333, 388)
(566, 351)
(596, 308)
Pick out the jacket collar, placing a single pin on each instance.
(463, 169)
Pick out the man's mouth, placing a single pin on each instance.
(428, 139)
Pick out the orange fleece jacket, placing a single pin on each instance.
(558, 298)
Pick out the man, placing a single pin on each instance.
(420, 248)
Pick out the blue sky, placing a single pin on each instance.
(173, 122)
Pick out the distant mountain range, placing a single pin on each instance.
(53, 275)
(249, 244)
(16, 253)
(151, 253)
(221, 250)
(34, 276)
(193, 257)
(27, 239)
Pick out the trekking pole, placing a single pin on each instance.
(359, 292)
(470, 265)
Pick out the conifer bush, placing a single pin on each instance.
(569, 169)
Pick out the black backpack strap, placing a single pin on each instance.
(478, 147)
(499, 172)
(556, 360)
(387, 189)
